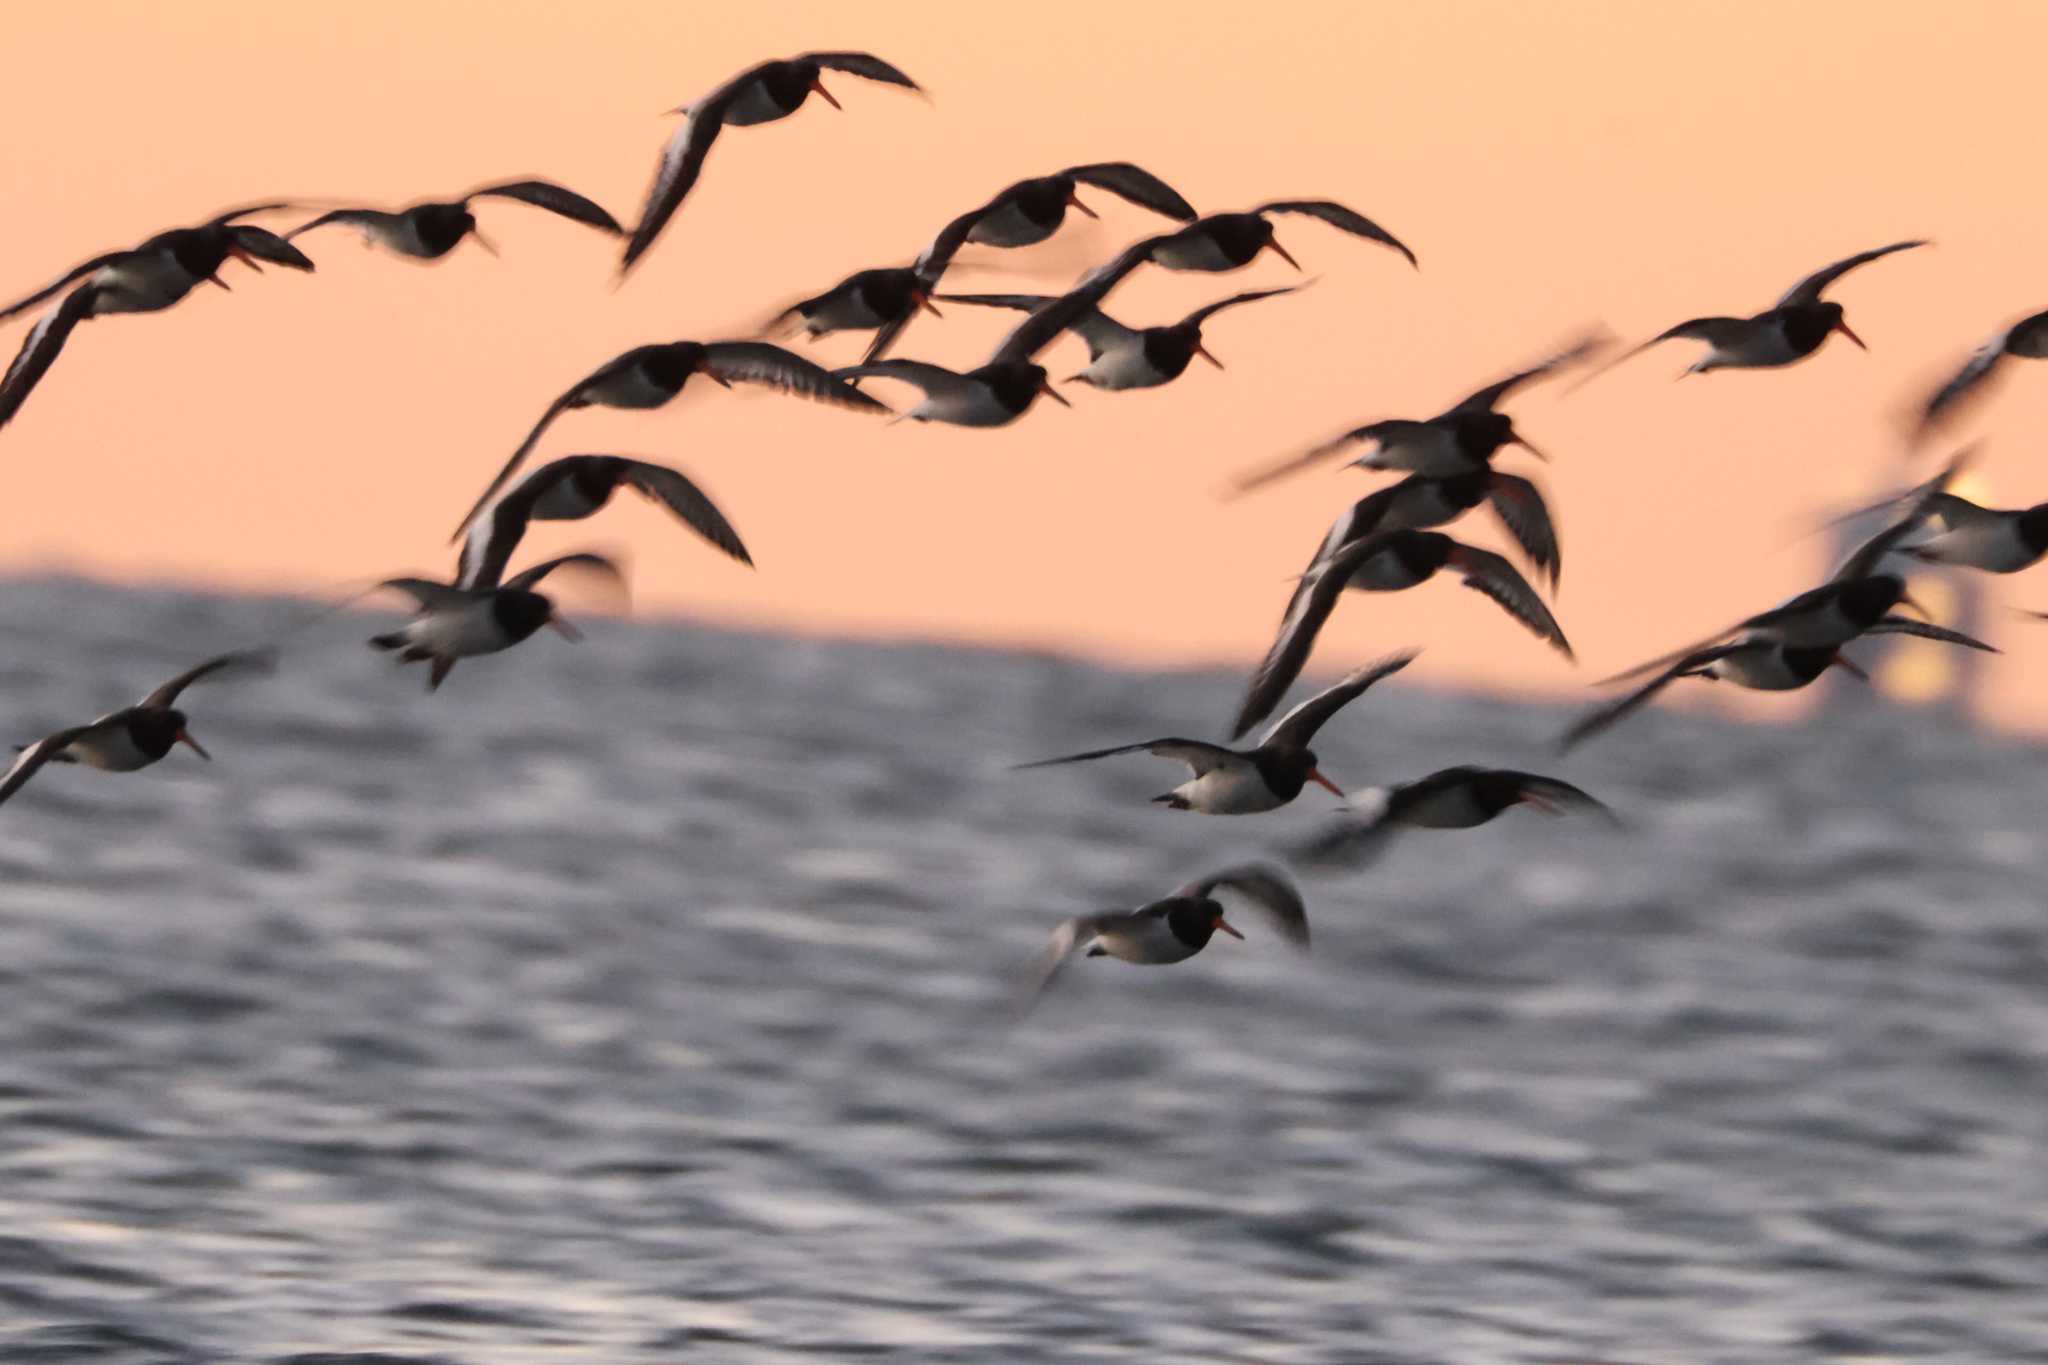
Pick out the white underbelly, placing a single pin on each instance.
(1009, 226)
(972, 405)
(1760, 671)
(1124, 368)
(141, 289)
(1992, 545)
(753, 105)
(1198, 252)
(458, 633)
(1152, 942)
(111, 750)
(1433, 452)
(1228, 791)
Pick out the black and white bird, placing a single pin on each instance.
(1463, 439)
(1121, 357)
(135, 736)
(651, 376)
(999, 392)
(1419, 503)
(575, 487)
(1790, 330)
(1175, 928)
(1760, 663)
(886, 300)
(760, 94)
(1229, 781)
(1227, 241)
(2026, 339)
(431, 229)
(1388, 562)
(455, 621)
(1940, 527)
(144, 279)
(1463, 797)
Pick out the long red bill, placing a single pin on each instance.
(1843, 328)
(1074, 201)
(924, 301)
(704, 368)
(1273, 245)
(1850, 666)
(819, 86)
(1315, 775)
(1906, 600)
(1224, 925)
(486, 243)
(1203, 351)
(1518, 441)
(1045, 387)
(565, 630)
(185, 737)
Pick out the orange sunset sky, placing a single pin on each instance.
(1555, 166)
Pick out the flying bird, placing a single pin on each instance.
(1463, 797)
(431, 229)
(760, 94)
(480, 616)
(144, 279)
(1462, 439)
(575, 487)
(1173, 929)
(2027, 339)
(999, 392)
(650, 376)
(1389, 562)
(1419, 503)
(1757, 662)
(135, 736)
(1226, 241)
(886, 300)
(1940, 527)
(1791, 329)
(1246, 781)
(1121, 357)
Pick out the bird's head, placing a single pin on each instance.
(157, 730)
(1829, 313)
(1194, 922)
(1295, 769)
(520, 612)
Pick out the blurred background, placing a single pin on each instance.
(640, 1001)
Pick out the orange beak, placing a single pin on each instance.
(185, 737)
(924, 301)
(1074, 201)
(1518, 441)
(1224, 925)
(1273, 245)
(704, 368)
(486, 243)
(1315, 775)
(1045, 387)
(1843, 328)
(215, 279)
(565, 630)
(1849, 666)
(819, 86)
(1906, 600)
(1203, 351)
(236, 253)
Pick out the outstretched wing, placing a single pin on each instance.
(674, 490)
(932, 379)
(1613, 713)
(266, 245)
(1066, 937)
(429, 595)
(78, 272)
(1486, 399)
(263, 660)
(40, 348)
(1488, 573)
(1209, 310)
(31, 759)
(1395, 429)
(1200, 757)
(2028, 338)
(1268, 889)
(544, 194)
(518, 457)
(1716, 332)
(1299, 726)
(1337, 216)
(355, 218)
(599, 564)
(682, 160)
(1139, 186)
(863, 64)
(1808, 290)
(1297, 638)
(764, 363)
(1553, 796)
(1519, 505)
(1097, 328)
(1927, 630)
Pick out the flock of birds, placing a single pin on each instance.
(1386, 542)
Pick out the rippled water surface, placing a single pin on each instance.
(641, 1002)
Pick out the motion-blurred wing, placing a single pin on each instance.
(1299, 726)
(1269, 890)
(243, 661)
(555, 199)
(1337, 216)
(1140, 187)
(1808, 290)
